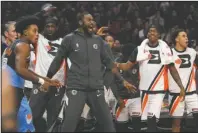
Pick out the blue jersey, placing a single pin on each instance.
(15, 79)
(8, 62)
(24, 117)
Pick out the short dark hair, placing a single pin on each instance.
(154, 26)
(51, 20)
(81, 15)
(175, 34)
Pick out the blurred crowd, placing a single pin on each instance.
(126, 21)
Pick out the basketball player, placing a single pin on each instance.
(130, 113)
(16, 59)
(153, 75)
(46, 49)
(25, 114)
(85, 76)
(186, 61)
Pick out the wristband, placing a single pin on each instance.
(41, 81)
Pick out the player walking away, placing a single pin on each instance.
(154, 57)
(185, 60)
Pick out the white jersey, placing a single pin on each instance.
(184, 63)
(153, 74)
(28, 83)
(45, 54)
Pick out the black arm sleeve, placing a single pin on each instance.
(62, 53)
(133, 56)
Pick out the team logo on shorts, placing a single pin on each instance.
(28, 118)
(77, 45)
(35, 91)
(134, 71)
(74, 92)
(95, 46)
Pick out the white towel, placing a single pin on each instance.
(165, 52)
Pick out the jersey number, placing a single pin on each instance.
(185, 58)
(54, 48)
(155, 59)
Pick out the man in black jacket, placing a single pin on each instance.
(85, 76)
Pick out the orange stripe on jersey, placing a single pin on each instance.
(166, 78)
(196, 67)
(191, 80)
(120, 109)
(144, 101)
(175, 104)
(157, 79)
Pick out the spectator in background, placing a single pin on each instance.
(157, 19)
(143, 31)
(9, 34)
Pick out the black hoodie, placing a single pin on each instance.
(88, 57)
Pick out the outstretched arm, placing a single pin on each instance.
(130, 63)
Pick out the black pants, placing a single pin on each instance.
(96, 101)
(41, 101)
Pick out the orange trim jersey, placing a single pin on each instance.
(185, 62)
(45, 53)
(153, 74)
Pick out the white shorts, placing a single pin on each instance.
(177, 108)
(151, 105)
(132, 108)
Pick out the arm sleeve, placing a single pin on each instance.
(62, 54)
(106, 55)
(133, 56)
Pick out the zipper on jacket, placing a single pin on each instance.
(87, 60)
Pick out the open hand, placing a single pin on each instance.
(130, 87)
(45, 87)
(55, 82)
(100, 32)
